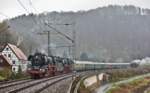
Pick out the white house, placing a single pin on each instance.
(16, 56)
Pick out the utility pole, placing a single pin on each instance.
(74, 44)
(72, 39)
(69, 51)
(49, 42)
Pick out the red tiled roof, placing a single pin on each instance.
(5, 58)
(17, 52)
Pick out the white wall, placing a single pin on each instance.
(13, 57)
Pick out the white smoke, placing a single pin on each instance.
(144, 61)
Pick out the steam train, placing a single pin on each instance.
(41, 65)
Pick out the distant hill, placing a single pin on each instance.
(113, 33)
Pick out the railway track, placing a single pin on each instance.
(48, 85)
(13, 83)
(33, 86)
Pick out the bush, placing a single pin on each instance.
(2, 78)
(13, 75)
(5, 73)
(19, 74)
(16, 76)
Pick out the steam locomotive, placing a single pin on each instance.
(40, 65)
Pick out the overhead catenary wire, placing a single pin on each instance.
(59, 32)
(35, 10)
(34, 20)
(31, 4)
(23, 6)
(26, 10)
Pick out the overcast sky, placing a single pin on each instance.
(11, 8)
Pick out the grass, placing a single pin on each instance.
(2, 78)
(122, 74)
(130, 87)
(119, 75)
(7, 74)
(113, 89)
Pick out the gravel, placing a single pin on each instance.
(4, 90)
(61, 87)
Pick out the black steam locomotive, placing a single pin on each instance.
(41, 65)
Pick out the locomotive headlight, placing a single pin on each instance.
(42, 70)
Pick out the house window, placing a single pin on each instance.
(13, 69)
(7, 48)
(14, 61)
(9, 55)
(5, 55)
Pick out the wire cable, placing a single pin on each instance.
(59, 32)
(31, 4)
(23, 6)
(34, 20)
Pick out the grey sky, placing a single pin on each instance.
(11, 8)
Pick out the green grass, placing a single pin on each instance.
(114, 88)
(133, 85)
(2, 78)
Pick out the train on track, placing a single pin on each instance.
(41, 65)
(87, 65)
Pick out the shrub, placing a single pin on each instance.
(5, 73)
(1, 78)
(17, 75)
(13, 75)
